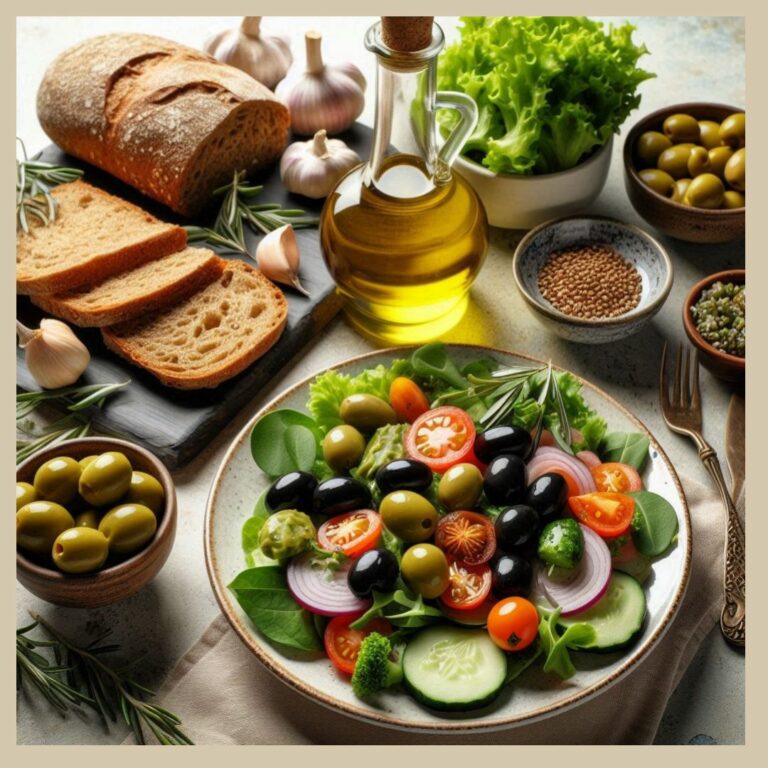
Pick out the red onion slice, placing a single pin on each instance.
(548, 459)
(321, 590)
(589, 459)
(585, 584)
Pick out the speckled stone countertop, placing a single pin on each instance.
(170, 614)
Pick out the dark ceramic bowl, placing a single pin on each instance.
(721, 364)
(116, 582)
(696, 225)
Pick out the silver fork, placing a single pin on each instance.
(683, 415)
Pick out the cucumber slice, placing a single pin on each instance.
(449, 668)
(617, 618)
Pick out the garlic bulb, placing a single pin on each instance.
(329, 97)
(312, 168)
(265, 59)
(55, 356)
(278, 257)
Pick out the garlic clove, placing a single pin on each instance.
(54, 355)
(278, 257)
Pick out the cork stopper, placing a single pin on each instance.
(406, 33)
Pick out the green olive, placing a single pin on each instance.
(709, 134)
(659, 181)
(650, 145)
(106, 479)
(25, 492)
(733, 199)
(86, 460)
(57, 480)
(679, 190)
(718, 157)
(80, 550)
(408, 515)
(88, 518)
(675, 160)
(680, 128)
(128, 527)
(736, 170)
(286, 533)
(460, 487)
(705, 191)
(147, 490)
(425, 569)
(366, 412)
(698, 162)
(39, 523)
(733, 130)
(343, 447)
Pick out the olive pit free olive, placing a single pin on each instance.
(650, 145)
(294, 490)
(517, 529)
(679, 190)
(460, 487)
(503, 439)
(88, 518)
(147, 490)
(408, 516)
(709, 134)
(547, 494)
(80, 550)
(733, 130)
(366, 412)
(505, 480)
(340, 494)
(86, 460)
(57, 480)
(425, 569)
(25, 493)
(376, 569)
(511, 575)
(733, 199)
(128, 527)
(680, 128)
(674, 160)
(698, 162)
(106, 479)
(718, 157)
(39, 523)
(705, 191)
(659, 181)
(735, 171)
(404, 475)
(343, 447)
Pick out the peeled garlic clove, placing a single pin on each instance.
(278, 257)
(54, 355)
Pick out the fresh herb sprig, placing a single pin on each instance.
(34, 180)
(239, 209)
(78, 676)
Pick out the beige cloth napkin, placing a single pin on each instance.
(225, 696)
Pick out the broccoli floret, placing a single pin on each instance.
(375, 668)
(561, 543)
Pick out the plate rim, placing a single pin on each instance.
(449, 726)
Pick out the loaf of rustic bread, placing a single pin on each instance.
(167, 119)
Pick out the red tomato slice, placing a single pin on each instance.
(441, 438)
(407, 399)
(468, 586)
(351, 533)
(607, 514)
(342, 644)
(615, 477)
(467, 536)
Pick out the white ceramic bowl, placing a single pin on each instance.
(522, 202)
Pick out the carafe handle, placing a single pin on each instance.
(467, 109)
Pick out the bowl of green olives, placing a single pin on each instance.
(95, 521)
(685, 171)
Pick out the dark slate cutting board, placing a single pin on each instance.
(175, 424)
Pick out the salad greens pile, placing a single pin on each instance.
(549, 89)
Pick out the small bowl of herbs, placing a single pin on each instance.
(714, 317)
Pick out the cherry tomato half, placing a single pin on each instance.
(467, 536)
(615, 477)
(468, 586)
(607, 514)
(352, 533)
(342, 644)
(513, 623)
(407, 399)
(441, 438)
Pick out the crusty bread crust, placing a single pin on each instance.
(167, 119)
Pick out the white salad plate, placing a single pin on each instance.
(534, 695)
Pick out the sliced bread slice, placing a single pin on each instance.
(147, 288)
(211, 336)
(94, 236)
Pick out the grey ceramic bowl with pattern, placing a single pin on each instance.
(636, 246)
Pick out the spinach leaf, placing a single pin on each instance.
(627, 447)
(654, 524)
(380, 601)
(263, 595)
(250, 534)
(400, 609)
(433, 360)
(556, 646)
(284, 441)
(519, 661)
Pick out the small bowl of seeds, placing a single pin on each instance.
(591, 279)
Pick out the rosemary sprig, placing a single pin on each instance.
(78, 677)
(34, 180)
(237, 208)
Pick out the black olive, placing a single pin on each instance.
(511, 575)
(403, 475)
(291, 491)
(375, 569)
(547, 494)
(517, 529)
(495, 441)
(505, 480)
(340, 494)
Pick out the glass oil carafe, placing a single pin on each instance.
(403, 237)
